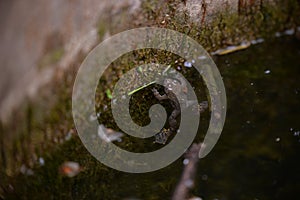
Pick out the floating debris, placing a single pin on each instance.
(297, 133)
(231, 49)
(70, 169)
(166, 70)
(287, 32)
(257, 41)
(26, 171)
(98, 114)
(93, 117)
(108, 134)
(277, 139)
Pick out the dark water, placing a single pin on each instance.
(257, 156)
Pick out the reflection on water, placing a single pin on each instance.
(257, 156)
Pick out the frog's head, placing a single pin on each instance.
(175, 85)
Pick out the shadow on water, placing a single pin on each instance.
(257, 156)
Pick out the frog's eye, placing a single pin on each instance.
(175, 82)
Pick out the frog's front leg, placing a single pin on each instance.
(163, 135)
(172, 120)
(203, 106)
(159, 96)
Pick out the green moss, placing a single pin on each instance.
(51, 57)
(102, 29)
(227, 28)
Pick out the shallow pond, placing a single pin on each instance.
(257, 156)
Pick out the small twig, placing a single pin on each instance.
(186, 182)
(138, 89)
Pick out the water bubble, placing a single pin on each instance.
(105, 107)
(41, 161)
(186, 161)
(289, 32)
(277, 34)
(69, 135)
(189, 183)
(204, 177)
(257, 41)
(202, 57)
(187, 64)
(195, 198)
(260, 40)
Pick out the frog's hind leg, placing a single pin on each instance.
(172, 120)
(159, 96)
(203, 106)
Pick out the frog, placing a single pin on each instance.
(174, 85)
